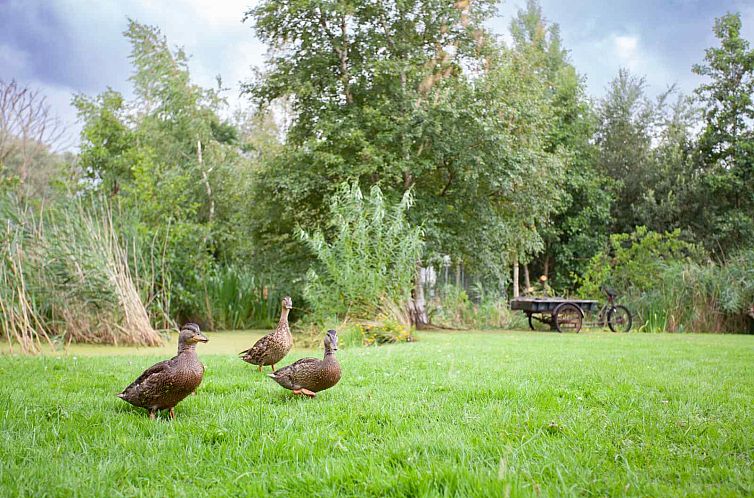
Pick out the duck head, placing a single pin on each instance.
(190, 334)
(331, 341)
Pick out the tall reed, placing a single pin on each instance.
(239, 300)
(699, 297)
(65, 273)
(21, 320)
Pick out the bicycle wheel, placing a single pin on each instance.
(567, 318)
(619, 319)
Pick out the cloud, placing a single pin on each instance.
(64, 47)
(67, 46)
(13, 61)
(627, 50)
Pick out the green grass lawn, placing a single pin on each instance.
(461, 414)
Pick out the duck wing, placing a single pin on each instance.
(148, 376)
(289, 377)
(256, 352)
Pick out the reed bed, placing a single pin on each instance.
(65, 274)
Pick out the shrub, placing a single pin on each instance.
(455, 309)
(668, 288)
(369, 258)
(384, 333)
(633, 261)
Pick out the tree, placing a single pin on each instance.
(404, 95)
(663, 206)
(726, 146)
(579, 227)
(624, 139)
(172, 162)
(29, 134)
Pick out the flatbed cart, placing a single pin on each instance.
(567, 315)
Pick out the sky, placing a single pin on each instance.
(65, 47)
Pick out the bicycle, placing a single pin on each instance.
(616, 316)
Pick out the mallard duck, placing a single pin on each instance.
(308, 376)
(165, 384)
(273, 347)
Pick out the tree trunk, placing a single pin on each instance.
(420, 312)
(515, 278)
(207, 186)
(527, 280)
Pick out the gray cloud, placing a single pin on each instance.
(69, 46)
(670, 36)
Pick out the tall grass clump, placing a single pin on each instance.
(366, 258)
(21, 319)
(88, 271)
(701, 297)
(66, 274)
(238, 300)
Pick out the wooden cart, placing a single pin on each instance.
(563, 315)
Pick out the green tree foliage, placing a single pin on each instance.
(726, 146)
(647, 149)
(634, 261)
(668, 181)
(171, 159)
(580, 226)
(624, 138)
(404, 95)
(370, 259)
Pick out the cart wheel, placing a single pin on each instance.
(619, 319)
(539, 324)
(567, 318)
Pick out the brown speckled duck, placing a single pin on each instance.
(308, 376)
(273, 347)
(165, 384)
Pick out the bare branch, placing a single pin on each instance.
(27, 126)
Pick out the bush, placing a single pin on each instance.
(455, 309)
(633, 261)
(384, 333)
(668, 288)
(369, 258)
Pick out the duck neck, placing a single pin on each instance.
(283, 318)
(184, 348)
(329, 353)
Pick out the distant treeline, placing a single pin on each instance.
(211, 214)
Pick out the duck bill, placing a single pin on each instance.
(202, 338)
